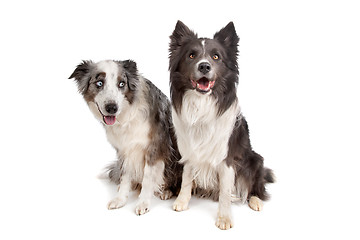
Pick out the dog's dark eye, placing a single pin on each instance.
(99, 84)
(192, 56)
(121, 84)
(215, 57)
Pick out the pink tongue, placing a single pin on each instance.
(109, 120)
(203, 84)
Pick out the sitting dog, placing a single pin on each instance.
(137, 119)
(212, 134)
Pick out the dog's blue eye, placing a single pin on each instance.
(121, 84)
(99, 84)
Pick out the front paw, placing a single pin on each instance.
(180, 205)
(224, 222)
(142, 207)
(116, 203)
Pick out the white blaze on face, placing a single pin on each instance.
(203, 59)
(110, 92)
(203, 44)
(203, 80)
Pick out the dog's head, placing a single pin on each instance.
(208, 66)
(107, 87)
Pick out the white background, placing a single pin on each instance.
(299, 89)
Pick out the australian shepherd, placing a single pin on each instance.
(137, 119)
(212, 134)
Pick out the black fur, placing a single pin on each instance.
(163, 136)
(225, 43)
(248, 164)
(82, 75)
(131, 73)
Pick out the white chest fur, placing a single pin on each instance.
(130, 137)
(203, 135)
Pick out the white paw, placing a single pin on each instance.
(224, 222)
(142, 207)
(255, 203)
(116, 203)
(164, 195)
(180, 205)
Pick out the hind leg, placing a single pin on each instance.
(255, 203)
(164, 194)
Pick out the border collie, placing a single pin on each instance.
(212, 134)
(137, 119)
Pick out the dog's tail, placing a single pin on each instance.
(112, 172)
(269, 175)
(261, 177)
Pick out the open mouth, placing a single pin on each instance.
(203, 84)
(108, 120)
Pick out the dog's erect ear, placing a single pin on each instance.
(82, 74)
(228, 36)
(181, 33)
(131, 73)
(179, 37)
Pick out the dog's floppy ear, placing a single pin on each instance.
(82, 74)
(228, 36)
(131, 73)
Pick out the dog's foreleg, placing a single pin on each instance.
(123, 193)
(152, 180)
(182, 201)
(226, 184)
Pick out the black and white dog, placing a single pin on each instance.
(137, 120)
(212, 135)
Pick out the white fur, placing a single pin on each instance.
(226, 182)
(203, 136)
(111, 92)
(182, 201)
(130, 137)
(203, 47)
(153, 178)
(130, 134)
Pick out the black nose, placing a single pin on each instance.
(111, 108)
(204, 67)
